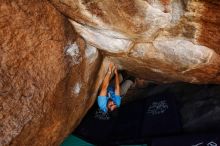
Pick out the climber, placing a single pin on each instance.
(111, 93)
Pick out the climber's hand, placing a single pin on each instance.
(116, 69)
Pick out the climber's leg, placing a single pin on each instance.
(125, 86)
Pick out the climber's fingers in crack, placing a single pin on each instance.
(111, 66)
(116, 69)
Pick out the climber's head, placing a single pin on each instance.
(111, 106)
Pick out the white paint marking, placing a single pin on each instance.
(212, 144)
(198, 144)
(157, 108)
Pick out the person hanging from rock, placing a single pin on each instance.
(112, 92)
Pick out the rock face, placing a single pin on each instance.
(47, 74)
(50, 73)
(164, 40)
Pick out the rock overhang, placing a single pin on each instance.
(160, 37)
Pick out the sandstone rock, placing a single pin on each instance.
(47, 74)
(162, 40)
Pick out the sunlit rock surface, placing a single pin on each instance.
(47, 75)
(51, 68)
(164, 40)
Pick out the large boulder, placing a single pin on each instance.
(47, 74)
(163, 40)
(50, 73)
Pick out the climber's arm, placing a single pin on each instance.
(106, 81)
(117, 83)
